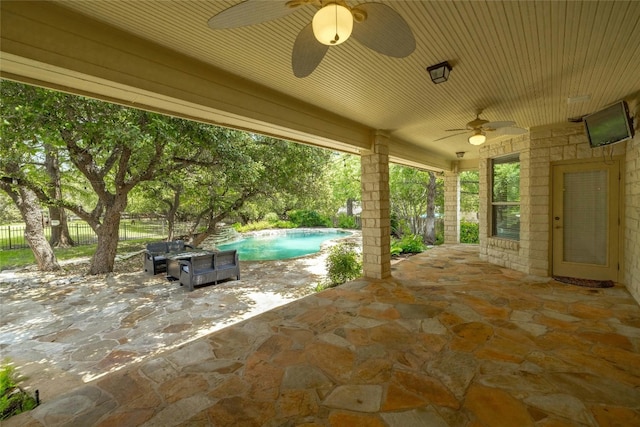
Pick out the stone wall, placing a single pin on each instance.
(538, 151)
(508, 253)
(451, 208)
(631, 265)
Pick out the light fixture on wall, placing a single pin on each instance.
(439, 73)
(478, 137)
(460, 154)
(332, 24)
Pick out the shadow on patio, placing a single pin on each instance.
(450, 340)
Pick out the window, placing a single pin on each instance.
(505, 197)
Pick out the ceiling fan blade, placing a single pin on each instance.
(455, 130)
(384, 30)
(498, 125)
(511, 130)
(250, 12)
(449, 136)
(307, 53)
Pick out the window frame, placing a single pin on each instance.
(493, 232)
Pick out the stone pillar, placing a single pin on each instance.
(452, 207)
(376, 224)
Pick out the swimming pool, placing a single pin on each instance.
(282, 244)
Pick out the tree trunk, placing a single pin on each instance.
(108, 235)
(27, 202)
(171, 214)
(60, 237)
(349, 207)
(430, 232)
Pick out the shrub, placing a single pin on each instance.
(309, 219)
(271, 217)
(262, 225)
(409, 244)
(284, 224)
(346, 221)
(469, 232)
(343, 264)
(395, 248)
(13, 400)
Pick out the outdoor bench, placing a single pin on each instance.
(155, 255)
(210, 268)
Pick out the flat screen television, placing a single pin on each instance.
(609, 125)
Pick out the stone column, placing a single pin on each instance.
(376, 225)
(451, 207)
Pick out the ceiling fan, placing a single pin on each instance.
(375, 25)
(480, 127)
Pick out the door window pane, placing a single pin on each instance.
(585, 217)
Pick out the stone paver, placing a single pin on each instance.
(62, 331)
(449, 340)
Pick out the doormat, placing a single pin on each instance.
(587, 283)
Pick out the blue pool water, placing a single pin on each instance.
(292, 244)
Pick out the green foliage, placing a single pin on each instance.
(321, 286)
(271, 217)
(395, 224)
(506, 181)
(262, 225)
(343, 180)
(343, 264)
(395, 248)
(415, 195)
(8, 211)
(409, 244)
(13, 400)
(469, 232)
(303, 218)
(346, 221)
(469, 191)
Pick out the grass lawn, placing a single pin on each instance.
(16, 258)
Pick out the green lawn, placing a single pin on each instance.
(23, 257)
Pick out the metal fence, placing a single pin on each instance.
(12, 236)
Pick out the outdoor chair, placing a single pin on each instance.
(155, 255)
(211, 268)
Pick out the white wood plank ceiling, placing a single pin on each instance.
(516, 60)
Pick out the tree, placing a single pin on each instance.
(21, 176)
(344, 179)
(250, 167)
(60, 236)
(189, 169)
(114, 148)
(469, 191)
(414, 196)
(27, 202)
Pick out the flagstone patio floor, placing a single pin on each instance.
(448, 341)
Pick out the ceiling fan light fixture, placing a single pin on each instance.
(478, 138)
(332, 24)
(439, 73)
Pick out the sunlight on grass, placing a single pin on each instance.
(17, 258)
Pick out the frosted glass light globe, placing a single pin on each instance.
(332, 24)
